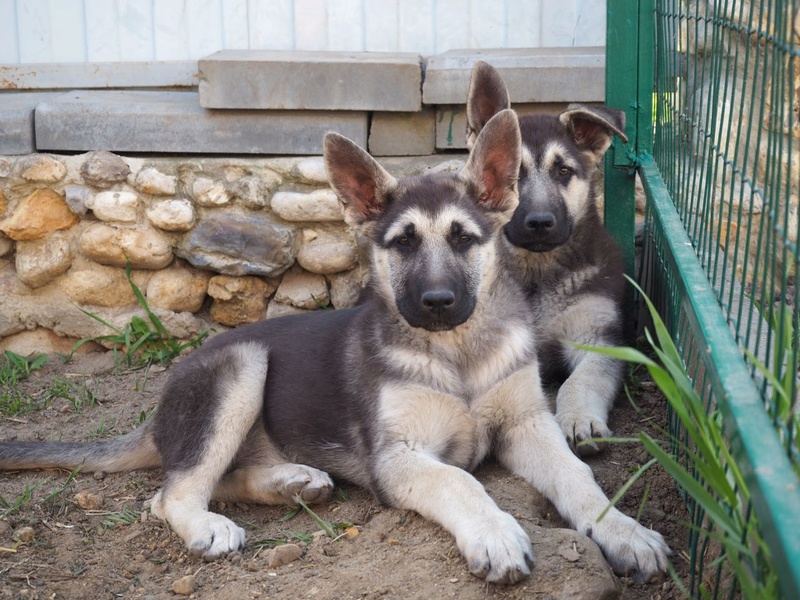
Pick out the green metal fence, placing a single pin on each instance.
(712, 92)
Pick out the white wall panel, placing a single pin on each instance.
(346, 25)
(9, 49)
(380, 25)
(102, 38)
(415, 27)
(135, 31)
(44, 31)
(33, 20)
(67, 30)
(310, 24)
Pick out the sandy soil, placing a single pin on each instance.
(118, 550)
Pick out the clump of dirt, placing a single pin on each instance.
(89, 535)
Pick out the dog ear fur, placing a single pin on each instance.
(487, 96)
(493, 163)
(592, 127)
(358, 180)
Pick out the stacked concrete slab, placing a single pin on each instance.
(281, 103)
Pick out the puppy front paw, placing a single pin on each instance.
(498, 550)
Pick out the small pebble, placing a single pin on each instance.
(352, 532)
(24, 534)
(283, 555)
(571, 554)
(88, 500)
(184, 586)
(99, 475)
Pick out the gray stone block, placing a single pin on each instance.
(311, 80)
(144, 121)
(16, 120)
(451, 122)
(402, 133)
(531, 74)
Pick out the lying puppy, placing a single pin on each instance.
(402, 394)
(559, 251)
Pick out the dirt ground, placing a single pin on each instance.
(113, 548)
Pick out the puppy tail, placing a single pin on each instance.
(135, 450)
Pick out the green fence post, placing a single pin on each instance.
(630, 39)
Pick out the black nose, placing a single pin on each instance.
(540, 221)
(438, 299)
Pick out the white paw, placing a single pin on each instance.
(630, 548)
(312, 485)
(578, 426)
(213, 536)
(497, 550)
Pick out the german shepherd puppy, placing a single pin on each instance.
(402, 394)
(557, 248)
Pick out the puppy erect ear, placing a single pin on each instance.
(493, 164)
(487, 96)
(592, 127)
(359, 181)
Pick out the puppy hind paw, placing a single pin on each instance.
(313, 486)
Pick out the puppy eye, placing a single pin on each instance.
(565, 172)
(464, 238)
(403, 241)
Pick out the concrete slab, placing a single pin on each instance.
(402, 133)
(16, 120)
(145, 121)
(70, 76)
(451, 122)
(266, 79)
(531, 74)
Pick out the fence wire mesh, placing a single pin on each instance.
(726, 98)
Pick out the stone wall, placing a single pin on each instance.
(211, 242)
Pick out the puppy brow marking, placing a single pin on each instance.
(556, 153)
(433, 227)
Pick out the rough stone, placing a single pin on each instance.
(240, 245)
(320, 80)
(171, 215)
(303, 290)
(97, 286)
(319, 205)
(208, 192)
(312, 170)
(403, 134)
(41, 168)
(77, 196)
(346, 287)
(114, 206)
(154, 182)
(5, 167)
(41, 340)
(38, 262)
(6, 245)
(43, 212)
(328, 253)
(103, 169)
(251, 191)
(108, 245)
(174, 122)
(178, 288)
(3, 203)
(24, 534)
(277, 309)
(238, 300)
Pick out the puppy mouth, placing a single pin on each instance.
(532, 245)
